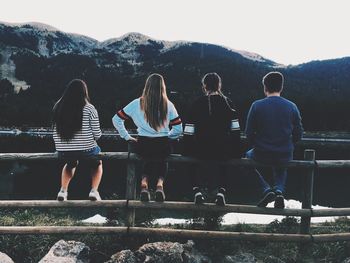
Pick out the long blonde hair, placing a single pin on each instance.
(154, 101)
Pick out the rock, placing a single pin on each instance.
(124, 256)
(240, 258)
(159, 252)
(191, 255)
(273, 259)
(67, 252)
(5, 258)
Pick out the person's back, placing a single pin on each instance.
(217, 132)
(211, 132)
(275, 126)
(76, 130)
(157, 122)
(86, 137)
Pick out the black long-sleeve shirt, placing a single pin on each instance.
(212, 130)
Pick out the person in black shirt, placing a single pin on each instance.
(212, 132)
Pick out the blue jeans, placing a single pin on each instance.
(72, 157)
(279, 174)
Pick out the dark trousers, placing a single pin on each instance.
(208, 175)
(153, 151)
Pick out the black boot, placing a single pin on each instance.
(198, 196)
(220, 197)
(268, 197)
(279, 202)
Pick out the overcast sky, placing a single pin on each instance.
(286, 31)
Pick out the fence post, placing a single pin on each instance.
(307, 198)
(308, 189)
(130, 189)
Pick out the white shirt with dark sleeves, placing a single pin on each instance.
(84, 139)
(133, 111)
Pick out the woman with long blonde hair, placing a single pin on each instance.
(157, 121)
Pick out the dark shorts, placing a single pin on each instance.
(72, 157)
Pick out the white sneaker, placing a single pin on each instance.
(62, 195)
(94, 195)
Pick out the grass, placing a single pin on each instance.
(31, 248)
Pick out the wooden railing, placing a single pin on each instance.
(309, 164)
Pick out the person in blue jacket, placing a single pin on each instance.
(272, 129)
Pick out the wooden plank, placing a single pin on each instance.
(154, 232)
(339, 164)
(308, 188)
(209, 207)
(130, 189)
(134, 204)
(331, 212)
(174, 158)
(5, 157)
(51, 230)
(171, 205)
(337, 237)
(57, 204)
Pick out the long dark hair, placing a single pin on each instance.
(68, 110)
(211, 82)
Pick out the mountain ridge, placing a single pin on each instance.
(36, 61)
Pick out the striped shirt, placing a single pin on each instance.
(84, 139)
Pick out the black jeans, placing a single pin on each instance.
(212, 176)
(153, 151)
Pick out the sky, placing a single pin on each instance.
(286, 31)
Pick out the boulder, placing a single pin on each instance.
(159, 252)
(124, 256)
(240, 258)
(5, 258)
(67, 252)
(273, 259)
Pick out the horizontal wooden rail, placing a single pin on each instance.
(155, 232)
(230, 208)
(174, 233)
(173, 158)
(187, 206)
(58, 204)
(208, 207)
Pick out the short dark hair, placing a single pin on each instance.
(273, 81)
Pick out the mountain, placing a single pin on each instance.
(37, 60)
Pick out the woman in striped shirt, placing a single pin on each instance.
(76, 130)
(153, 113)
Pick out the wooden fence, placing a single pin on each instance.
(309, 164)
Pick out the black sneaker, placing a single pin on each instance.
(160, 196)
(145, 195)
(198, 196)
(279, 201)
(220, 197)
(269, 197)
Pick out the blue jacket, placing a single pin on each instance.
(273, 127)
